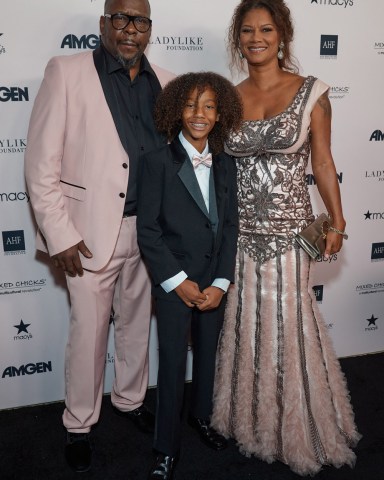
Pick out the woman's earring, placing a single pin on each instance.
(280, 53)
(241, 55)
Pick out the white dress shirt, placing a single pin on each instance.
(202, 174)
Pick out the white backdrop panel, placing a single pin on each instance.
(190, 36)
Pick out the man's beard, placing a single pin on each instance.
(128, 63)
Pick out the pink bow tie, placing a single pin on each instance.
(202, 160)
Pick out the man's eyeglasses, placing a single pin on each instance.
(120, 21)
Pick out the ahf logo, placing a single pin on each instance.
(319, 291)
(377, 251)
(328, 46)
(13, 242)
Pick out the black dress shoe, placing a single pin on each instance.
(163, 467)
(78, 451)
(207, 434)
(141, 417)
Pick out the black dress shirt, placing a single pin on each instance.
(135, 99)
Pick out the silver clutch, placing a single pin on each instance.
(312, 238)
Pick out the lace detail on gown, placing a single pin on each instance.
(271, 157)
(279, 390)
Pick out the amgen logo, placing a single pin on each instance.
(377, 136)
(14, 94)
(85, 41)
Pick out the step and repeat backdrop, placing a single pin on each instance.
(339, 41)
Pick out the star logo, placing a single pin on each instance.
(313, 1)
(372, 321)
(22, 327)
(368, 215)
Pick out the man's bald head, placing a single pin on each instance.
(109, 3)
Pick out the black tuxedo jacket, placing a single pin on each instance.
(175, 231)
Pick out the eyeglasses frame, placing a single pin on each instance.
(131, 18)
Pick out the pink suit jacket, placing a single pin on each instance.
(74, 161)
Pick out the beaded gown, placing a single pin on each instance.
(279, 389)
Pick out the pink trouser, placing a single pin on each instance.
(123, 283)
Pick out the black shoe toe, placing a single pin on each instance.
(163, 467)
(207, 434)
(78, 452)
(141, 417)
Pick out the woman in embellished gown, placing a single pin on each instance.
(279, 389)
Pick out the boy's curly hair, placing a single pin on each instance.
(172, 100)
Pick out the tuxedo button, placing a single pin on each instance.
(207, 255)
(121, 195)
(125, 165)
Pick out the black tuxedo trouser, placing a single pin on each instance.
(174, 322)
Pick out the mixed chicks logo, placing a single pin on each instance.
(22, 286)
(367, 288)
(379, 46)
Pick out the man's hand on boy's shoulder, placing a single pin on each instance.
(213, 298)
(190, 294)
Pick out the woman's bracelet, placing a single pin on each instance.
(333, 229)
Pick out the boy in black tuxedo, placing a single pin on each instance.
(187, 230)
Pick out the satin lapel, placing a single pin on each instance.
(109, 94)
(219, 175)
(187, 175)
(213, 215)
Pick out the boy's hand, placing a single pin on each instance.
(213, 298)
(190, 294)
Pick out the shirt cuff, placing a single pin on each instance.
(173, 282)
(222, 283)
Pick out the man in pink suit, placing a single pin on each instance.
(90, 125)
